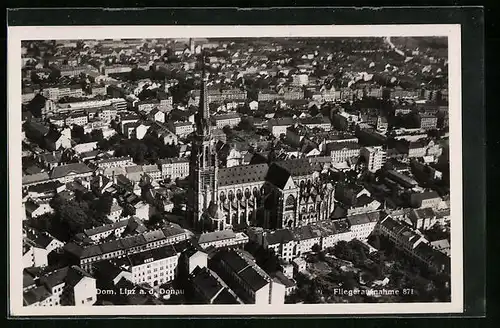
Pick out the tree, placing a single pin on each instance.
(36, 105)
(316, 248)
(97, 135)
(78, 132)
(227, 130)
(246, 124)
(156, 221)
(73, 216)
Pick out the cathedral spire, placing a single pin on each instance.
(204, 108)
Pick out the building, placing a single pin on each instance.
(322, 123)
(157, 115)
(231, 120)
(252, 284)
(282, 242)
(57, 92)
(299, 80)
(116, 69)
(153, 267)
(70, 172)
(414, 244)
(36, 209)
(146, 106)
(340, 152)
(86, 256)
(427, 121)
(66, 286)
(362, 225)
(425, 218)
(307, 237)
(102, 232)
(36, 251)
(278, 126)
(223, 238)
(181, 129)
(195, 258)
(374, 157)
(123, 161)
(174, 168)
(209, 289)
(426, 199)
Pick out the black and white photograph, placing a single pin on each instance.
(215, 171)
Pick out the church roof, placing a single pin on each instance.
(297, 167)
(242, 174)
(278, 175)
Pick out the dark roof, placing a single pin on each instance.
(38, 177)
(436, 257)
(419, 197)
(172, 230)
(154, 235)
(106, 270)
(297, 167)
(233, 260)
(278, 175)
(111, 246)
(364, 200)
(75, 274)
(54, 278)
(133, 241)
(43, 240)
(363, 218)
(64, 170)
(225, 297)
(242, 174)
(284, 280)
(206, 283)
(341, 145)
(28, 280)
(45, 187)
(279, 236)
(253, 278)
(424, 213)
(35, 295)
(258, 158)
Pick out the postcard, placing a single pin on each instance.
(235, 170)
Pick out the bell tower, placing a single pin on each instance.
(203, 163)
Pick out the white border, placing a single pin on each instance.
(18, 33)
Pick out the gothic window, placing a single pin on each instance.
(290, 203)
(311, 209)
(247, 193)
(230, 195)
(239, 194)
(222, 197)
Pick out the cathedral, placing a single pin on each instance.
(275, 195)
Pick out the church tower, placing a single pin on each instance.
(203, 168)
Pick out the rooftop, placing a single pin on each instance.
(242, 174)
(215, 236)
